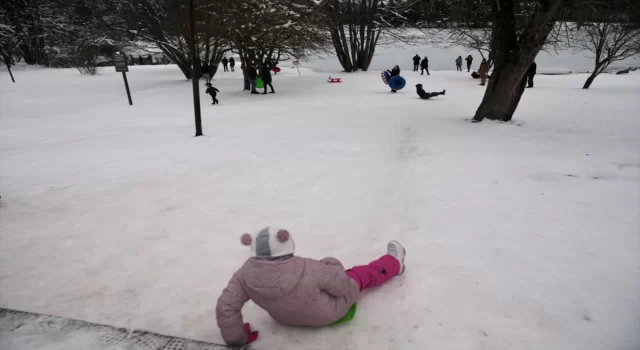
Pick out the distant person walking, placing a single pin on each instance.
(416, 62)
(424, 65)
(483, 71)
(252, 75)
(531, 72)
(459, 63)
(206, 73)
(150, 59)
(265, 75)
(225, 64)
(232, 64)
(133, 60)
(141, 60)
(469, 60)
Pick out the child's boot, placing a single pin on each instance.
(396, 250)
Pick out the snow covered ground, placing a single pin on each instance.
(519, 235)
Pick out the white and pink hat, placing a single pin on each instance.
(270, 242)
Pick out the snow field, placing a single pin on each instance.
(521, 235)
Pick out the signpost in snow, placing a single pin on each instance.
(297, 64)
(120, 62)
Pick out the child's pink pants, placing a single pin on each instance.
(376, 273)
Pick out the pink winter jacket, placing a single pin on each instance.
(297, 291)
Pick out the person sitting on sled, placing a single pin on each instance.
(427, 95)
(296, 291)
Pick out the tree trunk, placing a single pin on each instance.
(243, 66)
(195, 76)
(600, 67)
(512, 56)
(216, 58)
(503, 93)
(590, 79)
(181, 61)
(11, 74)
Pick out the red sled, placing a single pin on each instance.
(276, 69)
(334, 80)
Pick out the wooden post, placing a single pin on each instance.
(126, 85)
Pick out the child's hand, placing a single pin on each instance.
(252, 336)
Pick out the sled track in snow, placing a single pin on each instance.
(28, 331)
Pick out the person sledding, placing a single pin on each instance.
(427, 95)
(297, 291)
(395, 72)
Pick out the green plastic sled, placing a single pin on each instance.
(259, 84)
(349, 316)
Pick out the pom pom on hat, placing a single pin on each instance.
(245, 239)
(283, 235)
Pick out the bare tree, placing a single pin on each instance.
(609, 41)
(477, 39)
(272, 30)
(520, 29)
(357, 25)
(164, 23)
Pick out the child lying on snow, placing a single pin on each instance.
(296, 291)
(427, 95)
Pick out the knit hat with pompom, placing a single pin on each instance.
(270, 242)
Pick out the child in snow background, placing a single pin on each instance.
(212, 91)
(296, 291)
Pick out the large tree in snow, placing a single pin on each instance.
(611, 37)
(520, 28)
(165, 24)
(357, 25)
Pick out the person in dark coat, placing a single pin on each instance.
(150, 59)
(252, 75)
(225, 64)
(213, 92)
(531, 72)
(206, 72)
(265, 75)
(459, 63)
(469, 60)
(133, 61)
(141, 60)
(232, 64)
(395, 72)
(424, 65)
(427, 95)
(416, 62)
